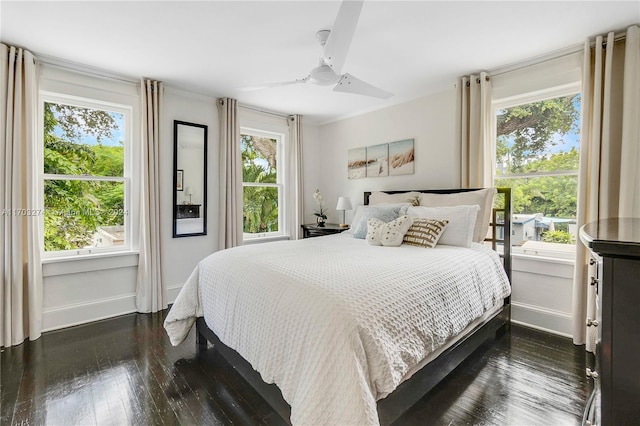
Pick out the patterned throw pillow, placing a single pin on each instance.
(425, 232)
(389, 234)
(384, 213)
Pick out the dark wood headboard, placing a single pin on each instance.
(500, 219)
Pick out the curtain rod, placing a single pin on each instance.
(81, 68)
(276, 114)
(540, 60)
(557, 55)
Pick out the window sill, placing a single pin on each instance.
(541, 258)
(65, 265)
(540, 249)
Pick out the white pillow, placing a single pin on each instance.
(379, 197)
(482, 198)
(389, 234)
(462, 221)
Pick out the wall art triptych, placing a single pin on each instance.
(387, 159)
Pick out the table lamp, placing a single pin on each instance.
(343, 204)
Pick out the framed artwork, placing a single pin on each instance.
(357, 167)
(378, 160)
(401, 156)
(179, 180)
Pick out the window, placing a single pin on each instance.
(537, 155)
(84, 175)
(262, 181)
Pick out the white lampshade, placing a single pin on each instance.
(188, 190)
(343, 203)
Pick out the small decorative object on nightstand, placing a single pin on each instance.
(344, 204)
(311, 230)
(321, 214)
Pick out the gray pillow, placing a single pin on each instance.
(384, 213)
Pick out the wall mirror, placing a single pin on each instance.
(189, 179)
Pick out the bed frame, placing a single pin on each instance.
(412, 390)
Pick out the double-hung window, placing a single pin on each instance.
(537, 155)
(85, 175)
(263, 183)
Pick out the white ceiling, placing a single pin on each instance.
(410, 48)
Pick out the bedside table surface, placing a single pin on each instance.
(313, 230)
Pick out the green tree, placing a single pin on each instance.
(75, 208)
(554, 196)
(527, 131)
(259, 166)
(525, 136)
(562, 237)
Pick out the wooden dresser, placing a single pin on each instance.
(615, 248)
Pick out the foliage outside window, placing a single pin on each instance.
(262, 184)
(537, 155)
(83, 177)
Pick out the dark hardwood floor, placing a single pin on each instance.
(124, 371)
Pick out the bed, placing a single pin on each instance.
(350, 332)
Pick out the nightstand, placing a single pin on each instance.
(313, 230)
(187, 211)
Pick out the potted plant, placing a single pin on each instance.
(321, 213)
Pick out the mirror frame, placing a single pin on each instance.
(176, 124)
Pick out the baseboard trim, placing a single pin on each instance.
(93, 310)
(549, 320)
(172, 292)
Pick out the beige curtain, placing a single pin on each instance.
(21, 285)
(295, 184)
(609, 180)
(230, 216)
(630, 183)
(150, 291)
(475, 131)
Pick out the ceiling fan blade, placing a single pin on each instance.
(350, 84)
(276, 84)
(337, 46)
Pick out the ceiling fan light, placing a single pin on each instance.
(324, 75)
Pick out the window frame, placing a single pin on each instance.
(127, 111)
(280, 182)
(522, 99)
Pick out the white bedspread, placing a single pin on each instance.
(334, 322)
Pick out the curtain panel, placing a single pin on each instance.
(21, 290)
(609, 177)
(230, 211)
(150, 290)
(295, 184)
(475, 131)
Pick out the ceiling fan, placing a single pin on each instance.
(336, 43)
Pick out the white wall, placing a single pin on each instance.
(542, 293)
(181, 255)
(85, 288)
(78, 290)
(430, 121)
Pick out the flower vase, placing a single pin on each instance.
(320, 222)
